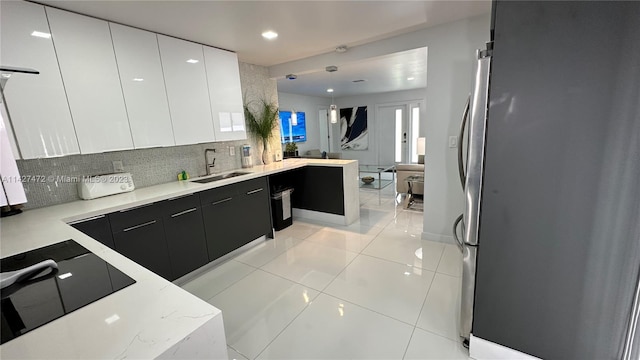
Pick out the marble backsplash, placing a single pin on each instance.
(147, 166)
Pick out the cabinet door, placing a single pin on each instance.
(139, 235)
(37, 103)
(98, 228)
(90, 76)
(143, 86)
(186, 81)
(146, 245)
(221, 216)
(225, 95)
(254, 200)
(184, 229)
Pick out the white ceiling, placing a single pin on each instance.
(381, 74)
(305, 28)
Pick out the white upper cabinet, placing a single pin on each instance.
(186, 81)
(90, 76)
(37, 103)
(225, 95)
(143, 86)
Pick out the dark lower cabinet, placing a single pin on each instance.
(220, 214)
(184, 231)
(235, 215)
(176, 236)
(139, 235)
(317, 188)
(98, 227)
(255, 211)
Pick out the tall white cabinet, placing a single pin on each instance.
(37, 103)
(90, 75)
(143, 86)
(225, 95)
(186, 81)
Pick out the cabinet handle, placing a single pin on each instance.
(254, 191)
(221, 201)
(87, 219)
(135, 207)
(184, 212)
(139, 226)
(179, 197)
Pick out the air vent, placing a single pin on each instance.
(358, 81)
(331, 68)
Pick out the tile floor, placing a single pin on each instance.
(371, 290)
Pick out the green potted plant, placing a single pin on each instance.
(262, 117)
(290, 149)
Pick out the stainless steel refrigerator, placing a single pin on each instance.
(550, 233)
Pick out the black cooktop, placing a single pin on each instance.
(81, 278)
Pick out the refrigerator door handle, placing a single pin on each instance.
(455, 233)
(463, 125)
(630, 340)
(475, 160)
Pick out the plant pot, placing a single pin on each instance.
(290, 154)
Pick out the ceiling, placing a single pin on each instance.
(305, 28)
(381, 74)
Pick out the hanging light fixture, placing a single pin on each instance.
(333, 109)
(333, 113)
(294, 117)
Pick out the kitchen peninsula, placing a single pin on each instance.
(152, 318)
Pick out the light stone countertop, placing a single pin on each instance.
(153, 314)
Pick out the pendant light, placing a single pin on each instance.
(333, 113)
(333, 109)
(294, 117)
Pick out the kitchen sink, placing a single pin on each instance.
(220, 177)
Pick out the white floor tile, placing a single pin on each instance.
(440, 313)
(257, 308)
(267, 251)
(332, 329)
(234, 355)
(389, 288)
(451, 262)
(217, 279)
(310, 264)
(425, 345)
(375, 217)
(407, 220)
(299, 230)
(342, 240)
(406, 247)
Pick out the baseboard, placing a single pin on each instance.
(481, 349)
(448, 239)
(319, 216)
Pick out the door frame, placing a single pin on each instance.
(408, 105)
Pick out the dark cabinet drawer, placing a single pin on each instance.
(211, 196)
(98, 228)
(252, 186)
(128, 218)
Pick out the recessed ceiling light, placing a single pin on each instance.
(269, 35)
(41, 34)
(192, 61)
(411, 78)
(6, 76)
(138, 79)
(329, 90)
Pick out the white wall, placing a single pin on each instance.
(310, 105)
(450, 66)
(370, 156)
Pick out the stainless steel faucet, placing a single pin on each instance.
(206, 162)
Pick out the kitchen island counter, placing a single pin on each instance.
(151, 318)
